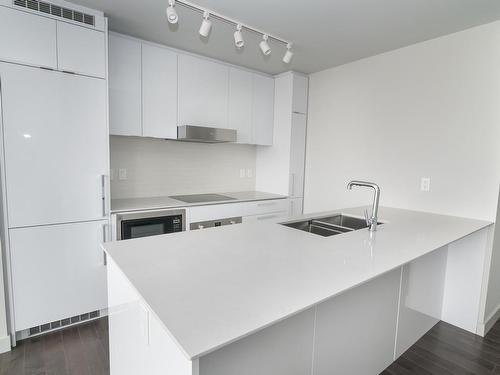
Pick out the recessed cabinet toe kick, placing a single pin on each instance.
(268, 299)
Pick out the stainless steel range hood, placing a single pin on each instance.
(190, 133)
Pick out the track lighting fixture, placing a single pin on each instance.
(206, 25)
(238, 37)
(172, 13)
(239, 42)
(264, 45)
(288, 54)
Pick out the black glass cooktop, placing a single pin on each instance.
(202, 198)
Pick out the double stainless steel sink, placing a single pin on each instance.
(329, 225)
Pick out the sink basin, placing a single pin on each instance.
(329, 225)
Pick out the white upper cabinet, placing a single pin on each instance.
(262, 110)
(203, 92)
(297, 154)
(27, 39)
(81, 50)
(240, 103)
(300, 90)
(125, 70)
(159, 92)
(56, 152)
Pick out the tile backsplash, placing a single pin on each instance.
(147, 167)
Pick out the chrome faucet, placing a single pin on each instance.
(370, 221)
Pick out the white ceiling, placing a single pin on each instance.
(326, 33)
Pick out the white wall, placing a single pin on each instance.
(156, 167)
(428, 110)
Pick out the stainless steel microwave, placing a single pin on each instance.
(145, 224)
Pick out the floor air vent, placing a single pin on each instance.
(33, 331)
(57, 11)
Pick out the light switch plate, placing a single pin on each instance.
(249, 173)
(242, 173)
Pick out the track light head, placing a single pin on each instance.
(206, 25)
(172, 16)
(264, 45)
(287, 58)
(238, 37)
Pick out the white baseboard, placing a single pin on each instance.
(483, 328)
(4, 344)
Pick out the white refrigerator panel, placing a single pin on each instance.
(58, 272)
(55, 139)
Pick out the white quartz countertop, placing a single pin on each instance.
(212, 287)
(154, 203)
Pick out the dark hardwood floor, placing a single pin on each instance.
(78, 350)
(83, 350)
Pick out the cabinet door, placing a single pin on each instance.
(297, 154)
(159, 92)
(81, 50)
(27, 39)
(203, 92)
(57, 272)
(300, 91)
(125, 71)
(56, 152)
(296, 207)
(240, 103)
(263, 110)
(128, 326)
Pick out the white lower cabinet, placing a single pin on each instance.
(296, 206)
(257, 209)
(58, 272)
(354, 332)
(138, 342)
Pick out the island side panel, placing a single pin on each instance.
(421, 301)
(138, 342)
(355, 331)
(284, 348)
(464, 281)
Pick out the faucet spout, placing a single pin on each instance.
(373, 220)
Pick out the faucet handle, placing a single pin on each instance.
(367, 218)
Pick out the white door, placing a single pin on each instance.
(56, 145)
(263, 110)
(125, 104)
(203, 92)
(159, 92)
(81, 50)
(240, 104)
(58, 272)
(297, 154)
(27, 39)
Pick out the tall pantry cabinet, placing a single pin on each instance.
(280, 168)
(54, 165)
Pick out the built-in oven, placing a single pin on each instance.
(153, 223)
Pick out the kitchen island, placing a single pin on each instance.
(263, 298)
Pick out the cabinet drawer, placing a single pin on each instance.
(81, 50)
(27, 39)
(274, 216)
(221, 211)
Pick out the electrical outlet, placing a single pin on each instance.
(122, 174)
(242, 173)
(249, 173)
(425, 184)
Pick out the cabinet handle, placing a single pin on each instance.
(104, 195)
(104, 240)
(292, 183)
(266, 204)
(267, 217)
